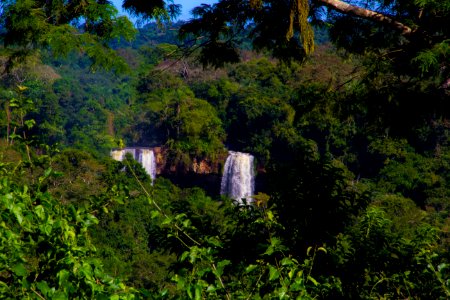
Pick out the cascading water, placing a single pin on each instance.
(144, 156)
(147, 159)
(238, 179)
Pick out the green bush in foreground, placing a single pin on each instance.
(45, 251)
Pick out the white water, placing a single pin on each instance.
(144, 156)
(238, 179)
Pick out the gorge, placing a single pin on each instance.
(237, 180)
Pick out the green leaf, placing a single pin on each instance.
(184, 255)
(297, 286)
(43, 287)
(322, 249)
(211, 289)
(282, 293)
(250, 268)
(273, 273)
(30, 123)
(313, 281)
(166, 221)
(86, 270)
(269, 250)
(194, 253)
(291, 273)
(186, 223)
(91, 219)
(221, 265)
(180, 216)
(8, 200)
(15, 136)
(40, 211)
(286, 261)
(47, 172)
(13, 104)
(198, 292)
(60, 295)
(189, 291)
(63, 277)
(214, 241)
(46, 228)
(442, 266)
(17, 211)
(426, 60)
(154, 214)
(20, 270)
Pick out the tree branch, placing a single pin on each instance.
(357, 11)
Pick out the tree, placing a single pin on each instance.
(410, 32)
(174, 116)
(413, 34)
(63, 27)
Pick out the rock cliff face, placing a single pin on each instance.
(203, 167)
(160, 158)
(166, 165)
(187, 172)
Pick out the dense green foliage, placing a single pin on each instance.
(45, 247)
(352, 147)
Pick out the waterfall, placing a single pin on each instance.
(147, 160)
(238, 180)
(144, 156)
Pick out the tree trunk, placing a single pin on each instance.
(357, 11)
(8, 122)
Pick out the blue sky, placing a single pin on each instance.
(187, 6)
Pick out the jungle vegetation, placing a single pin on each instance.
(345, 106)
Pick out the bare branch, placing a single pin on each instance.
(349, 9)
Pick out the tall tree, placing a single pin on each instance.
(64, 26)
(414, 33)
(417, 28)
